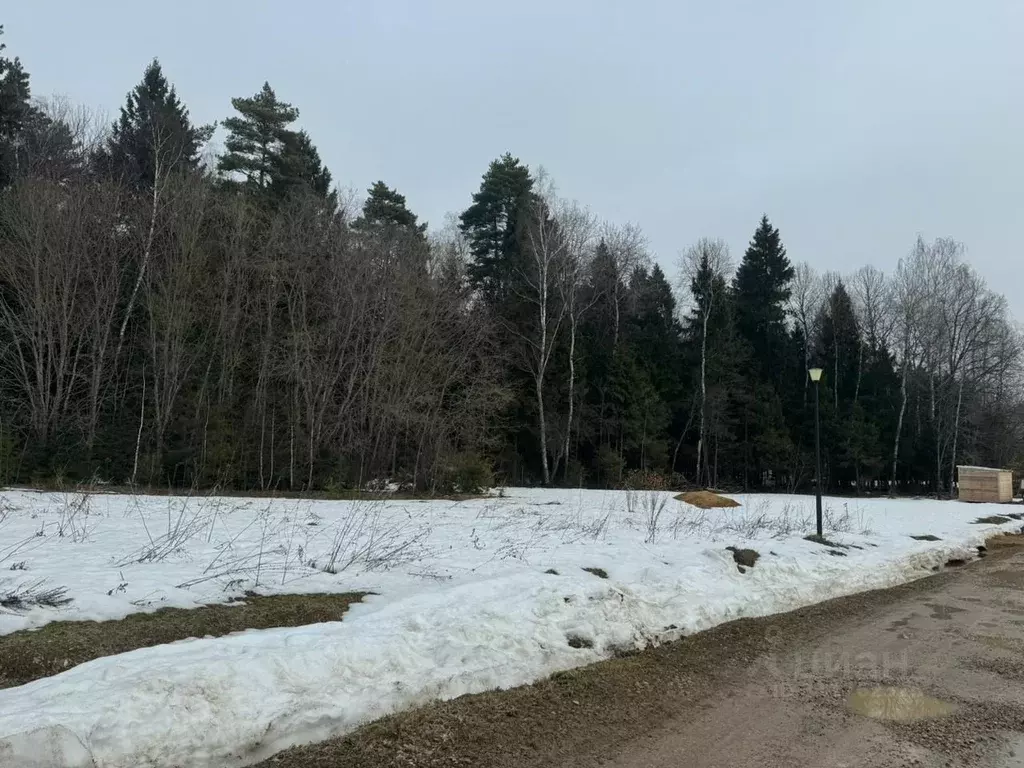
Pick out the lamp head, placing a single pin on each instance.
(815, 374)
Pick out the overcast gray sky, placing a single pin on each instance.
(854, 124)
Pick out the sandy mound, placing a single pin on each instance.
(706, 500)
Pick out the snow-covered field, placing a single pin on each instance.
(464, 600)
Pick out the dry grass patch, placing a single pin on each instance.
(32, 654)
(706, 500)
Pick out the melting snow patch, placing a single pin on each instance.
(464, 602)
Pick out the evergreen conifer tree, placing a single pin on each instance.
(839, 346)
(299, 168)
(256, 138)
(153, 134)
(494, 224)
(654, 331)
(385, 209)
(761, 289)
(15, 111)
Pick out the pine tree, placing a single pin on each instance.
(493, 224)
(762, 288)
(15, 111)
(256, 138)
(154, 134)
(385, 209)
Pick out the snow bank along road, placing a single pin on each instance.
(468, 596)
(932, 679)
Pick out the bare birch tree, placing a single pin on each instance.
(705, 265)
(627, 247)
(537, 288)
(577, 227)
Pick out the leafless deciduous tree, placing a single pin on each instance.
(872, 303)
(908, 297)
(578, 228)
(706, 257)
(807, 296)
(537, 288)
(627, 247)
(176, 289)
(58, 272)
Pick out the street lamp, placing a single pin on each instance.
(815, 374)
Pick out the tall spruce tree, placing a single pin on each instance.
(839, 345)
(654, 331)
(761, 289)
(598, 335)
(298, 168)
(256, 138)
(153, 134)
(654, 337)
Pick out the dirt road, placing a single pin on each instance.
(934, 679)
(928, 674)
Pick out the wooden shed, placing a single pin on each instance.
(985, 484)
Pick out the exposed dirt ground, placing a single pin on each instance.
(32, 654)
(764, 692)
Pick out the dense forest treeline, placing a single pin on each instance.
(172, 318)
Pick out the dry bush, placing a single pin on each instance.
(576, 525)
(649, 506)
(22, 597)
(762, 521)
(364, 538)
(187, 518)
(646, 480)
(75, 522)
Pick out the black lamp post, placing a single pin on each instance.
(816, 378)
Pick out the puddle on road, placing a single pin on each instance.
(900, 705)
